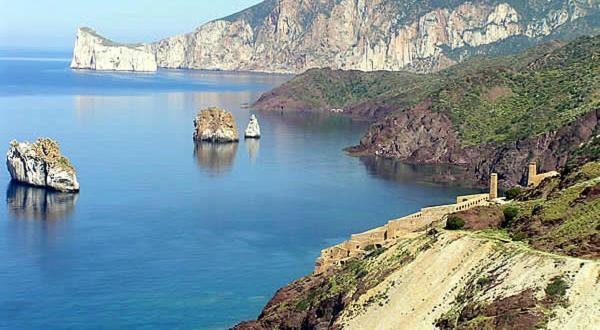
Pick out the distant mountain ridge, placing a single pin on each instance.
(419, 36)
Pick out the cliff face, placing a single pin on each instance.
(94, 52)
(422, 136)
(368, 35)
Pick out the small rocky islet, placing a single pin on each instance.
(215, 125)
(41, 164)
(253, 129)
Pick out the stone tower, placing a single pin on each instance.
(494, 186)
(532, 173)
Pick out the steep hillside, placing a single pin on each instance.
(369, 35)
(531, 263)
(487, 114)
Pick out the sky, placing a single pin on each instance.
(52, 25)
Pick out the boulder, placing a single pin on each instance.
(215, 125)
(41, 164)
(253, 129)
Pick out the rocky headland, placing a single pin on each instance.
(215, 125)
(486, 115)
(94, 52)
(526, 263)
(41, 164)
(253, 129)
(419, 36)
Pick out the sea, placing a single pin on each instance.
(167, 233)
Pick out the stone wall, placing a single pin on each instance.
(374, 238)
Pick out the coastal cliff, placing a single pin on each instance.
(420, 36)
(486, 114)
(528, 263)
(94, 52)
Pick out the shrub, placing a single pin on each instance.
(510, 214)
(454, 222)
(513, 192)
(520, 236)
(557, 287)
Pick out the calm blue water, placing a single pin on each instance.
(167, 234)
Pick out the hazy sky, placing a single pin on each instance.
(53, 24)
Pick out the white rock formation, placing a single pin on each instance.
(253, 129)
(215, 125)
(95, 52)
(41, 164)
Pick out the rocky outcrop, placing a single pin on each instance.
(421, 36)
(41, 164)
(253, 129)
(215, 125)
(422, 136)
(95, 52)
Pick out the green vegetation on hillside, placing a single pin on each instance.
(488, 100)
(563, 214)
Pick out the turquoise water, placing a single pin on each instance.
(166, 233)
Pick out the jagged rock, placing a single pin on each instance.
(253, 129)
(423, 36)
(95, 52)
(215, 125)
(41, 164)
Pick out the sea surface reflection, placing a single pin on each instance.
(33, 203)
(215, 157)
(397, 171)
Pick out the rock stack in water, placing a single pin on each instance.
(253, 129)
(215, 125)
(41, 164)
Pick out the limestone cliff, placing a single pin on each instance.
(95, 52)
(368, 35)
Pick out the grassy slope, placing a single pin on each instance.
(488, 100)
(562, 215)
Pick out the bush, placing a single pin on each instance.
(510, 214)
(557, 287)
(520, 236)
(538, 209)
(454, 223)
(513, 192)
